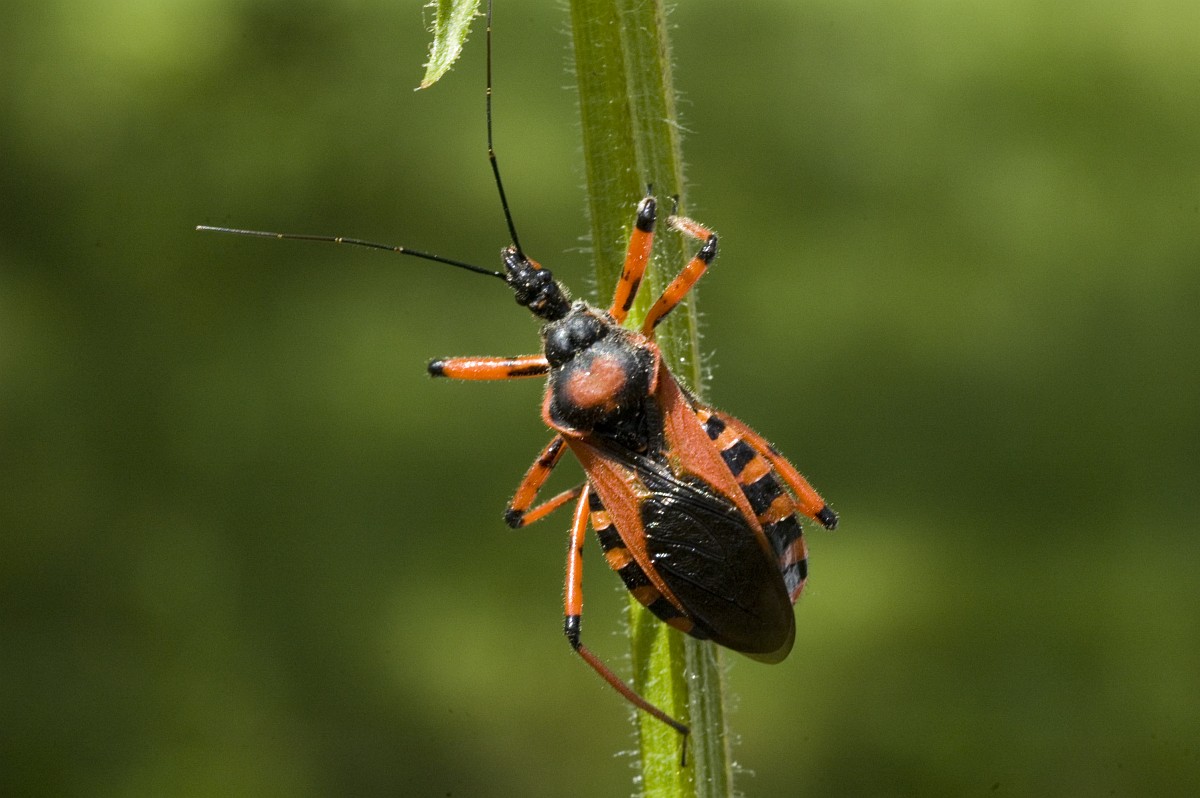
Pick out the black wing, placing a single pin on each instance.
(711, 559)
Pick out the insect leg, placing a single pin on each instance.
(810, 502)
(490, 368)
(573, 614)
(640, 241)
(686, 278)
(518, 514)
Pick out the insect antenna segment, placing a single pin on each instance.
(491, 149)
(356, 242)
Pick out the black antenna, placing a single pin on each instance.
(354, 242)
(357, 242)
(512, 229)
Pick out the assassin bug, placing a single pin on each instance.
(694, 510)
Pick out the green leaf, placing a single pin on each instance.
(450, 29)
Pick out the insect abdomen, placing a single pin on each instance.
(772, 505)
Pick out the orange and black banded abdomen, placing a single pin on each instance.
(635, 579)
(771, 503)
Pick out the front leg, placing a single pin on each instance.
(490, 368)
(636, 257)
(674, 293)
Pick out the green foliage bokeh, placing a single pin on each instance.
(247, 548)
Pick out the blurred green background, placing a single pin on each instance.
(250, 549)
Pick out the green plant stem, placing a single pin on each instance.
(630, 140)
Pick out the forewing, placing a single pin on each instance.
(711, 560)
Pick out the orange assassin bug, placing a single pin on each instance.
(695, 511)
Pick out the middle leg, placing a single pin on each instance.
(518, 514)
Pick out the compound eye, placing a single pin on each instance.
(571, 336)
(558, 345)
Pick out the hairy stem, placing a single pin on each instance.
(631, 140)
